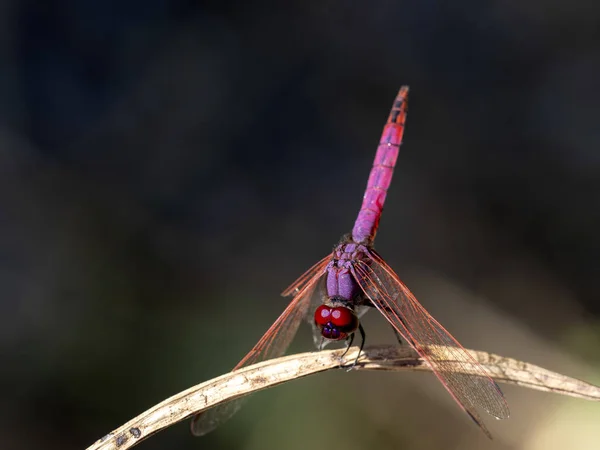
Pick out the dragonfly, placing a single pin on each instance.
(354, 278)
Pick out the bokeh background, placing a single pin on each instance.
(168, 167)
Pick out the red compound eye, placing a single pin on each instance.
(323, 315)
(344, 319)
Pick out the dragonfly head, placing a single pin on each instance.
(336, 322)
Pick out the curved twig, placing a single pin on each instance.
(276, 371)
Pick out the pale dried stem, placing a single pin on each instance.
(276, 371)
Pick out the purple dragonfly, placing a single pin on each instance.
(355, 277)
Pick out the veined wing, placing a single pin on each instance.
(273, 344)
(307, 277)
(400, 307)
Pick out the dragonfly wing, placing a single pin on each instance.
(430, 339)
(209, 420)
(277, 339)
(273, 344)
(297, 285)
(315, 302)
(307, 277)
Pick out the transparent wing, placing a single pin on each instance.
(273, 344)
(315, 302)
(316, 299)
(400, 307)
(307, 277)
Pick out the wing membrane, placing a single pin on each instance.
(273, 344)
(400, 307)
(306, 277)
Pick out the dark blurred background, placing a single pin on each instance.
(168, 167)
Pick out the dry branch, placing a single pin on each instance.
(276, 371)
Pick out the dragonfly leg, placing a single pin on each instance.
(363, 338)
(349, 341)
(400, 338)
(361, 330)
(398, 335)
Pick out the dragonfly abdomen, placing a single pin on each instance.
(380, 178)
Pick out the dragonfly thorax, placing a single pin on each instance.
(336, 322)
(341, 280)
(348, 252)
